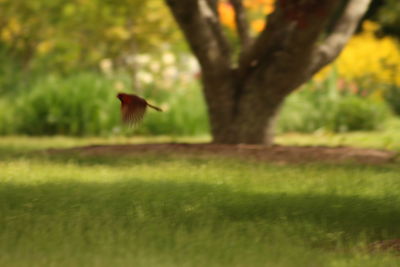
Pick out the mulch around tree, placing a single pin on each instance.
(276, 153)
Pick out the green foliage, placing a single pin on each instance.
(322, 106)
(85, 104)
(78, 34)
(355, 114)
(12, 75)
(7, 118)
(392, 97)
(389, 17)
(76, 105)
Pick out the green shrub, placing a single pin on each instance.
(392, 97)
(7, 117)
(82, 104)
(85, 104)
(11, 74)
(354, 113)
(324, 107)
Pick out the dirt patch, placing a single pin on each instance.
(277, 154)
(392, 245)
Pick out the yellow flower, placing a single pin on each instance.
(12, 29)
(369, 26)
(14, 25)
(266, 5)
(6, 35)
(369, 57)
(118, 32)
(258, 25)
(227, 15)
(257, 21)
(44, 47)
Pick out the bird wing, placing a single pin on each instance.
(133, 112)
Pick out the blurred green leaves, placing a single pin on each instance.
(389, 17)
(63, 36)
(82, 104)
(85, 104)
(332, 105)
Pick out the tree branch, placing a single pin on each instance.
(345, 27)
(272, 38)
(200, 25)
(285, 47)
(209, 12)
(241, 23)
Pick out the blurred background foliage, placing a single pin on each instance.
(78, 34)
(61, 64)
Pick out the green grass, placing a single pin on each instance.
(387, 138)
(158, 210)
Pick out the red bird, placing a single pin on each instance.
(133, 108)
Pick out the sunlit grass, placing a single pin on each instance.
(69, 210)
(388, 138)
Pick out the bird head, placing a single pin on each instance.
(124, 98)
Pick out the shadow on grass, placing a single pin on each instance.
(11, 153)
(190, 206)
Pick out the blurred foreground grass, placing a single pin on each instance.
(65, 210)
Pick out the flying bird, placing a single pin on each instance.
(133, 108)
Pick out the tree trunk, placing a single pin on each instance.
(241, 112)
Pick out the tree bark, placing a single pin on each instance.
(242, 110)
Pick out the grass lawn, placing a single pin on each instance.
(150, 210)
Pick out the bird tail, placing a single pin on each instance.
(154, 107)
